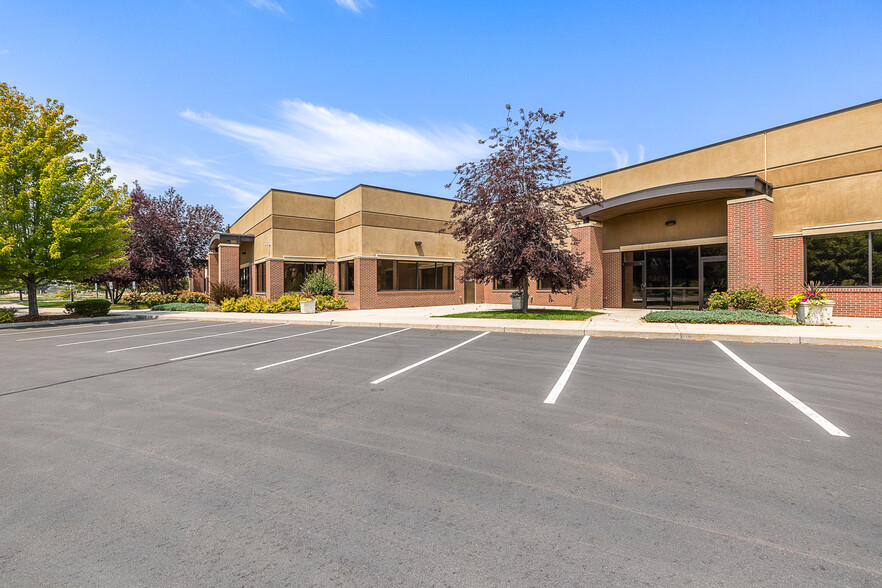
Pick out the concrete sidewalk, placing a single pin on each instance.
(613, 323)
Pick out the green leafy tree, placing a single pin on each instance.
(61, 218)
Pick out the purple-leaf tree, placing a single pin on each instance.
(513, 206)
(169, 236)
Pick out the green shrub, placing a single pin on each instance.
(192, 297)
(319, 283)
(221, 291)
(91, 307)
(722, 317)
(185, 306)
(745, 298)
(286, 303)
(329, 303)
(133, 300)
(7, 315)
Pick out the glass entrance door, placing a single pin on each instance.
(633, 285)
(713, 277)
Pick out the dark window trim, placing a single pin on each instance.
(871, 282)
(395, 276)
(340, 276)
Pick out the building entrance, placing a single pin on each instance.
(681, 277)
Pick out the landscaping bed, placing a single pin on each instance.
(537, 314)
(720, 317)
(181, 306)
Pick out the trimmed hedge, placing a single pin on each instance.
(90, 308)
(720, 317)
(185, 306)
(7, 315)
(135, 300)
(745, 298)
(286, 303)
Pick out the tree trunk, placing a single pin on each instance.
(33, 310)
(525, 294)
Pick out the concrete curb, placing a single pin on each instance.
(691, 332)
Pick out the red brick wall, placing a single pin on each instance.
(197, 279)
(228, 263)
(856, 301)
(751, 245)
(212, 268)
(789, 266)
(612, 280)
(367, 296)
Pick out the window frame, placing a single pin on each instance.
(396, 275)
(260, 278)
(872, 281)
(343, 277)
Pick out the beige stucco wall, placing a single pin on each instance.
(297, 204)
(393, 202)
(385, 241)
(823, 171)
(262, 209)
(693, 221)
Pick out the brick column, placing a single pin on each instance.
(275, 278)
(612, 279)
(228, 263)
(212, 268)
(751, 245)
(589, 247)
(789, 266)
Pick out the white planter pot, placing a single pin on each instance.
(821, 314)
(307, 307)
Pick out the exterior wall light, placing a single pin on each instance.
(670, 223)
(417, 242)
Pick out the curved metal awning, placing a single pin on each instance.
(218, 238)
(672, 194)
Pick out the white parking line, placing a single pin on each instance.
(142, 335)
(108, 330)
(565, 376)
(251, 344)
(328, 350)
(428, 359)
(45, 327)
(193, 338)
(803, 408)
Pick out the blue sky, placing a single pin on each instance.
(224, 99)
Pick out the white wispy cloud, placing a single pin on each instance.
(149, 172)
(317, 139)
(4, 51)
(354, 5)
(239, 189)
(271, 5)
(619, 155)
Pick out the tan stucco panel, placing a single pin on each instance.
(348, 203)
(348, 242)
(262, 209)
(831, 167)
(404, 204)
(303, 205)
(384, 241)
(729, 159)
(303, 224)
(845, 200)
(693, 221)
(391, 221)
(852, 130)
(300, 243)
(353, 220)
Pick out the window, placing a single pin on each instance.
(385, 275)
(503, 285)
(260, 276)
(347, 276)
(296, 272)
(245, 280)
(546, 284)
(413, 275)
(407, 275)
(853, 259)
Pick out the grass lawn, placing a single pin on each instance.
(719, 317)
(535, 314)
(185, 306)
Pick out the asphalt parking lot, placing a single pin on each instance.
(182, 453)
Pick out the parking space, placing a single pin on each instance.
(174, 450)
